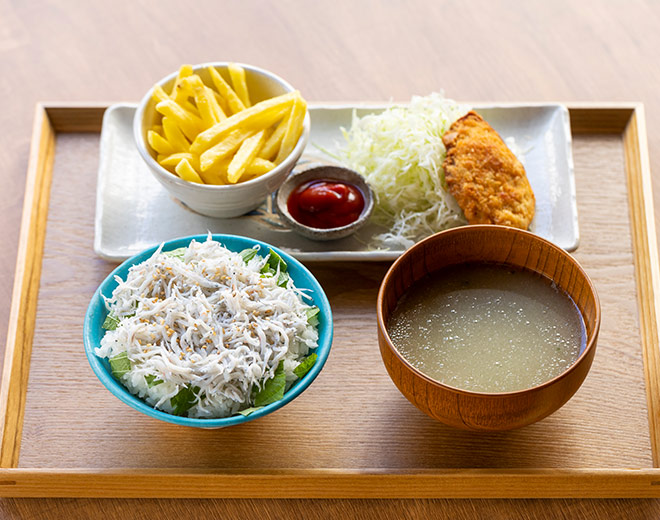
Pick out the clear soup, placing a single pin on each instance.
(487, 328)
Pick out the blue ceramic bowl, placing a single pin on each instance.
(96, 313)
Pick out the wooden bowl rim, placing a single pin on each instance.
(387, 279)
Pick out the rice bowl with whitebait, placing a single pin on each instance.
(206, 332)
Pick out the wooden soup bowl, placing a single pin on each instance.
(497, 244)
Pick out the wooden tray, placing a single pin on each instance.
(351, 434)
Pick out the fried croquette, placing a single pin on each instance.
(484, 176)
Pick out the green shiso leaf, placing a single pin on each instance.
(111, 321)
(184, 400)
(273, 389)
(120, 365)
(248, 254)
(313, 315)
(275, 261)
(282, 279)
(305, 365)
(275, 264)
(248, 411)
(177, 253)
(152, 380)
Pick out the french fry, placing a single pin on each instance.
(244, 156)
(175, 136)
(184, 72)
(223, 88)
(187, 172)
(273, 143)
(293, 130)
(225, 147)
(159, 143)
(258, 166)
(185, 88)
(217, 174)
(158, 94)
(170, 161)
(237, 75)
(221, 101)
(190, 124)
(215, 104)
(259, 116)
(209, 109)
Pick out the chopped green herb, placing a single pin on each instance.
(111, 321)
(152, 380)
(248, 254)
(248, 411)
(177, 253)
(305, 365)
(274, 263)
(274, 260)
(313, 316)
(282, 279)
(120, 365)
(184, 400)
(273, 389)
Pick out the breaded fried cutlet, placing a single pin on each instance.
(484, 176)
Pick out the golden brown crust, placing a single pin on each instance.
(485, 177)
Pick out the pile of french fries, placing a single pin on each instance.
(214, 135)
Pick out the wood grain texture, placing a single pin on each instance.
(140, 509)
(16, 365)
(333, 483)
(504, 50)
(87, 118)
(646, 265)
(599, 118)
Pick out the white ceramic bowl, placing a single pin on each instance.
(219, 201)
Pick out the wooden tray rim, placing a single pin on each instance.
(625, 119)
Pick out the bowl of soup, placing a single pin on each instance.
(487, 327)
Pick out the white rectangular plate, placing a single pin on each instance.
(133, 211)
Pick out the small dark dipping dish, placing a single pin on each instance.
(514, 250)
(324, 201)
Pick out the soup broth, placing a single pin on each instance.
(487, 328)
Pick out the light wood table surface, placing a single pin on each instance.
(332, 51)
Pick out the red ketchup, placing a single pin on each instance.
(325, 204)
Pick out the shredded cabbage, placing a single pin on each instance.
(400, 154)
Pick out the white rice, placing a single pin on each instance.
(209, 321)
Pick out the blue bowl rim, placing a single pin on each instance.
(122, 393)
